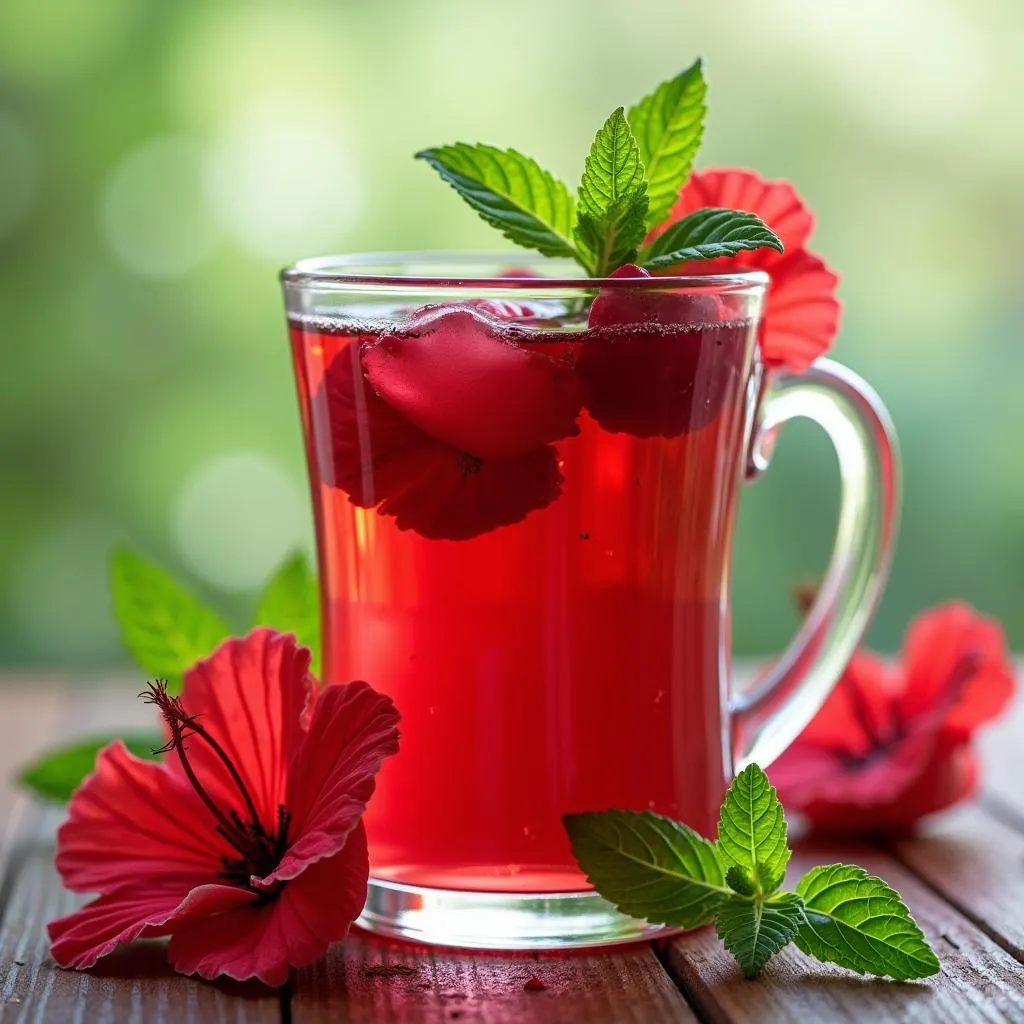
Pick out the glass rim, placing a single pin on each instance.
(343, 270)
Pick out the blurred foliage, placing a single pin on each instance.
(160, 162)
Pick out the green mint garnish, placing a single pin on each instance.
(654, 868)
(752, 831)
(290, 603)
(631, 179)
(649, 866)
(57, 773)
(708, 234)
(754, 930)
(513, 193)
(612, 199)
(668, 125)
(855, 920)
(165, 627)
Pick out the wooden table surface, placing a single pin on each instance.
(963, 879)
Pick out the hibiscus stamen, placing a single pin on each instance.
(259, 852)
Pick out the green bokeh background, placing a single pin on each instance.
(159, 162)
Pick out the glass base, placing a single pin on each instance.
(498, 920)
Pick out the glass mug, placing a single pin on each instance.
(524, 490)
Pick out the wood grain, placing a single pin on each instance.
(28, 718)
(627, 985)
(979, 981)
(134, 984)
(976, 862)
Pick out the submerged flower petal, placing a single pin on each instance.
(657, 363)
(381, 459)
(264, 940)
(458, 376)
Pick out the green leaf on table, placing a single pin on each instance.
(290, 603)
(649, 866)
(752, 829)
(708, 234)
(165, 627)
(612, 199)
(855, 920)
(510, 191)
(668, 125)
(754, 930)
(56, 774)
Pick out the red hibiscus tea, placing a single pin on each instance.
(524, 493)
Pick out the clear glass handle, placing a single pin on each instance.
(768, 716)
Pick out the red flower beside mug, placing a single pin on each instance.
(893, 741)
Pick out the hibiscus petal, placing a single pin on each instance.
(380, 458)
(801, 316)
(945, 778)
(857, 711)
(135, 819)
(802, 313)
(80, 939)
(296, 928)
(250, 695)
(957, 668)
(457, 375)
(353, 729)
(657, 363)
(775, 202)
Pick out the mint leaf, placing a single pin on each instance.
(752, 829)
(755, 930)
(855, 920)
(511, 192)
(291, 604)
(612, 199)
(58, 773)
(668, 125)
(708, 234)
(165, 628)
(738, 879)
(649, 866)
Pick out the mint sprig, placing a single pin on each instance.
(669, 124)
(708, 234)
(654, 868)
(612, 199)
(631, 178)
(167, 629)
(512, 192)
(857, 921)
(649, 866)
(163, 625)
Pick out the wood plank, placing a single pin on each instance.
(627, 985)
(28, 716)
(135, 983)
(979, 981)
(976, 862)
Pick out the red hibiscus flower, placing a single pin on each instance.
(656, 363)
(246, 846)
(801, 315)
(448, 423)
(893, 741)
